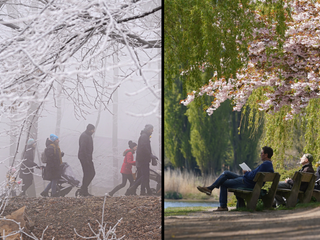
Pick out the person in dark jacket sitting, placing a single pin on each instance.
(52, 169)
(126, 169)
(27, 166)
(306, 162)
(317, 185)
(85, 157)
(231, 180)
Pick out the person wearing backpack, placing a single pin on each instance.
(126, 169)
(52, 169)
(27, 166)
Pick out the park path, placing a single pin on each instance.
(270, 224)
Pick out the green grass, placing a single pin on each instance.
(301, 205)
(179, 211)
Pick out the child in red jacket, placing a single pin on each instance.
(126, 169)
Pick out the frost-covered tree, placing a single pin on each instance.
(63, 47)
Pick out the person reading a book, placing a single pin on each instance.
(306, 162)
(232, 180)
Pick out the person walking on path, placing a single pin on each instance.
(126, 169)
(143, 159)
(231, 180)
(52, 169)
(85, 157)
(27, 166)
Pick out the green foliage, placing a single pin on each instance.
(209, 137)
(287, 173)
(232, 201)
(214, 143)
(177, 129)
(291, 139)
(245, 137)
(311, 121)
(301, 205)
(216, 32)
(172, 195)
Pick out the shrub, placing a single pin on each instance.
(172, 195)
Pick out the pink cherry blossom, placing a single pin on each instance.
(292, 73)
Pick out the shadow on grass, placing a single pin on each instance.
(298, 206)
(180, 211)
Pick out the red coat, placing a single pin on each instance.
(127, 162)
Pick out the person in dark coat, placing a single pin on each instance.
(85, 157)
(143, 159)
(126, 169)
(27, 166)
(317, 184)
(52, 169)
(306, 162)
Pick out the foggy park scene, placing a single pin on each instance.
(65, 65)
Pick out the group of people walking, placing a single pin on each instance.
(52, 156)
(143, 159)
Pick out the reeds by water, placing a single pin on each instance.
(186, 183)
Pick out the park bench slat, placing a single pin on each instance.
(251, 196)
(292, 195)
(316, 194)
(268, 177)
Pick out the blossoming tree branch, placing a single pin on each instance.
(288, 74)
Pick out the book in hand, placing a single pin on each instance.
(244, 167)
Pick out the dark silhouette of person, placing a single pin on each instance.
(27, 166)
(52, 169)
(85, 157)
(143, 159)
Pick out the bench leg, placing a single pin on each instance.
(240, 202)
(292, 201)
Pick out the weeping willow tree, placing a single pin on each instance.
(212, 38)
(214, 35)
(278, 55)
(294, 137)
(177, 128)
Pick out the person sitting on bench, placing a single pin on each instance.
(231, 180)
(317, 184)
(306, 162)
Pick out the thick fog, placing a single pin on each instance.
(116, 87)
(122, 126)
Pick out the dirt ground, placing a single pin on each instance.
(141, 216)
(268, 224)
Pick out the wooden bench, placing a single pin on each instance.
(252, 196)
(292, 195)
(316, 194)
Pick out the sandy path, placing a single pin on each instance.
(279, 224)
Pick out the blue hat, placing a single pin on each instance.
(53, 137)
(30, 141)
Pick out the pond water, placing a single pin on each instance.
(189, 204)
